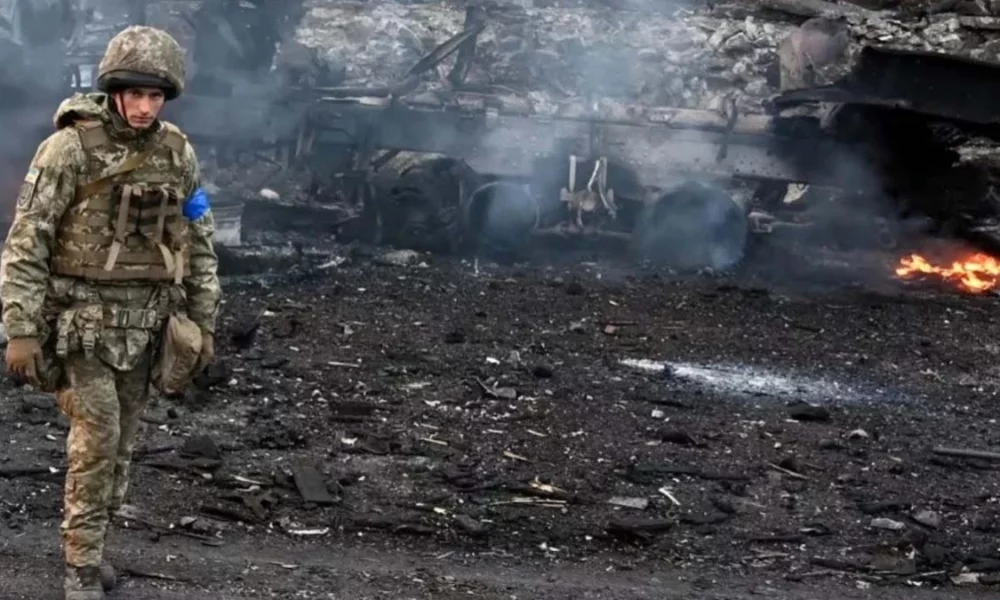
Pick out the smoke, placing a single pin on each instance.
(242, 63)
(32, 44)
(234, 43)
(554, 60)
(254, 62)
(544, 58)
(697, 225)
(849, 231)
(502, 214)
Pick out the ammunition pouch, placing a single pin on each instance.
(101, 331)
(180, 348)
(79, 329)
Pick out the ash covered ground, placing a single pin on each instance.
(394, 425)
(388, 424)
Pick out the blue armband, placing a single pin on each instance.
(196, 205)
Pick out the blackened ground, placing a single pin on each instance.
(479, 430)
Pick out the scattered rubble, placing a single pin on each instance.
(664, 54)
(441, 404)
(312, 485)
(523, 435)
(887, 524)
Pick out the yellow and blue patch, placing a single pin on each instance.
(27, 191)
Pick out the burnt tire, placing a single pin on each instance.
(695, 226)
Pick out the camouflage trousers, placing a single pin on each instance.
(103, 406)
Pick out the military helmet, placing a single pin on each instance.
(141, 56)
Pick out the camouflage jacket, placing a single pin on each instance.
(31, 294)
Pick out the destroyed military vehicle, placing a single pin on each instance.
(435, 160)
(682, 173)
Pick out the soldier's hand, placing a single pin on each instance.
(22, 354)
(207, 351)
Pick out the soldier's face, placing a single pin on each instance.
(140, 106)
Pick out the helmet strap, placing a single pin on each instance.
(120, 105)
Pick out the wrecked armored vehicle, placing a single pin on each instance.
(451, 152)
(678, 137)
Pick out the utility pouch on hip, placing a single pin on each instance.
(179, 352)
(79, 329)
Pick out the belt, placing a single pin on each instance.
(131, 318)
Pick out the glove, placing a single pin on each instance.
(207, 351)
(22, 354)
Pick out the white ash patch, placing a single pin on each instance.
(747, 380)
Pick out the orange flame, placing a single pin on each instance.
(977, 273)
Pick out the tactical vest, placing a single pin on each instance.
(126, 223)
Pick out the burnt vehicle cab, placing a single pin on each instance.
(917, 119)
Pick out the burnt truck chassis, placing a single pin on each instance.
(645, 176)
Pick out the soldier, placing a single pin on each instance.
(108, 278)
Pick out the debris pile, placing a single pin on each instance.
(644, 52)
(435, 408)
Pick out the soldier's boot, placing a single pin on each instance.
(109, 579)
(83, 583)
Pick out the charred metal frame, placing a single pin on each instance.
(658, 146)
(931, 84)
(500, 136)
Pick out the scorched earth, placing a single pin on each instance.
(427, 427)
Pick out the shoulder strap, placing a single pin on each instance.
(173, 138)
(92, 134)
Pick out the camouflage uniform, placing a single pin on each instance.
(102, 249)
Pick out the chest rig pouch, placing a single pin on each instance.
(149, 227)
(126, 223)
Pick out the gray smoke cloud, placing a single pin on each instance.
(546, 56)
(236, 80)
(252, 64)
(542, 57)
(33, 40)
